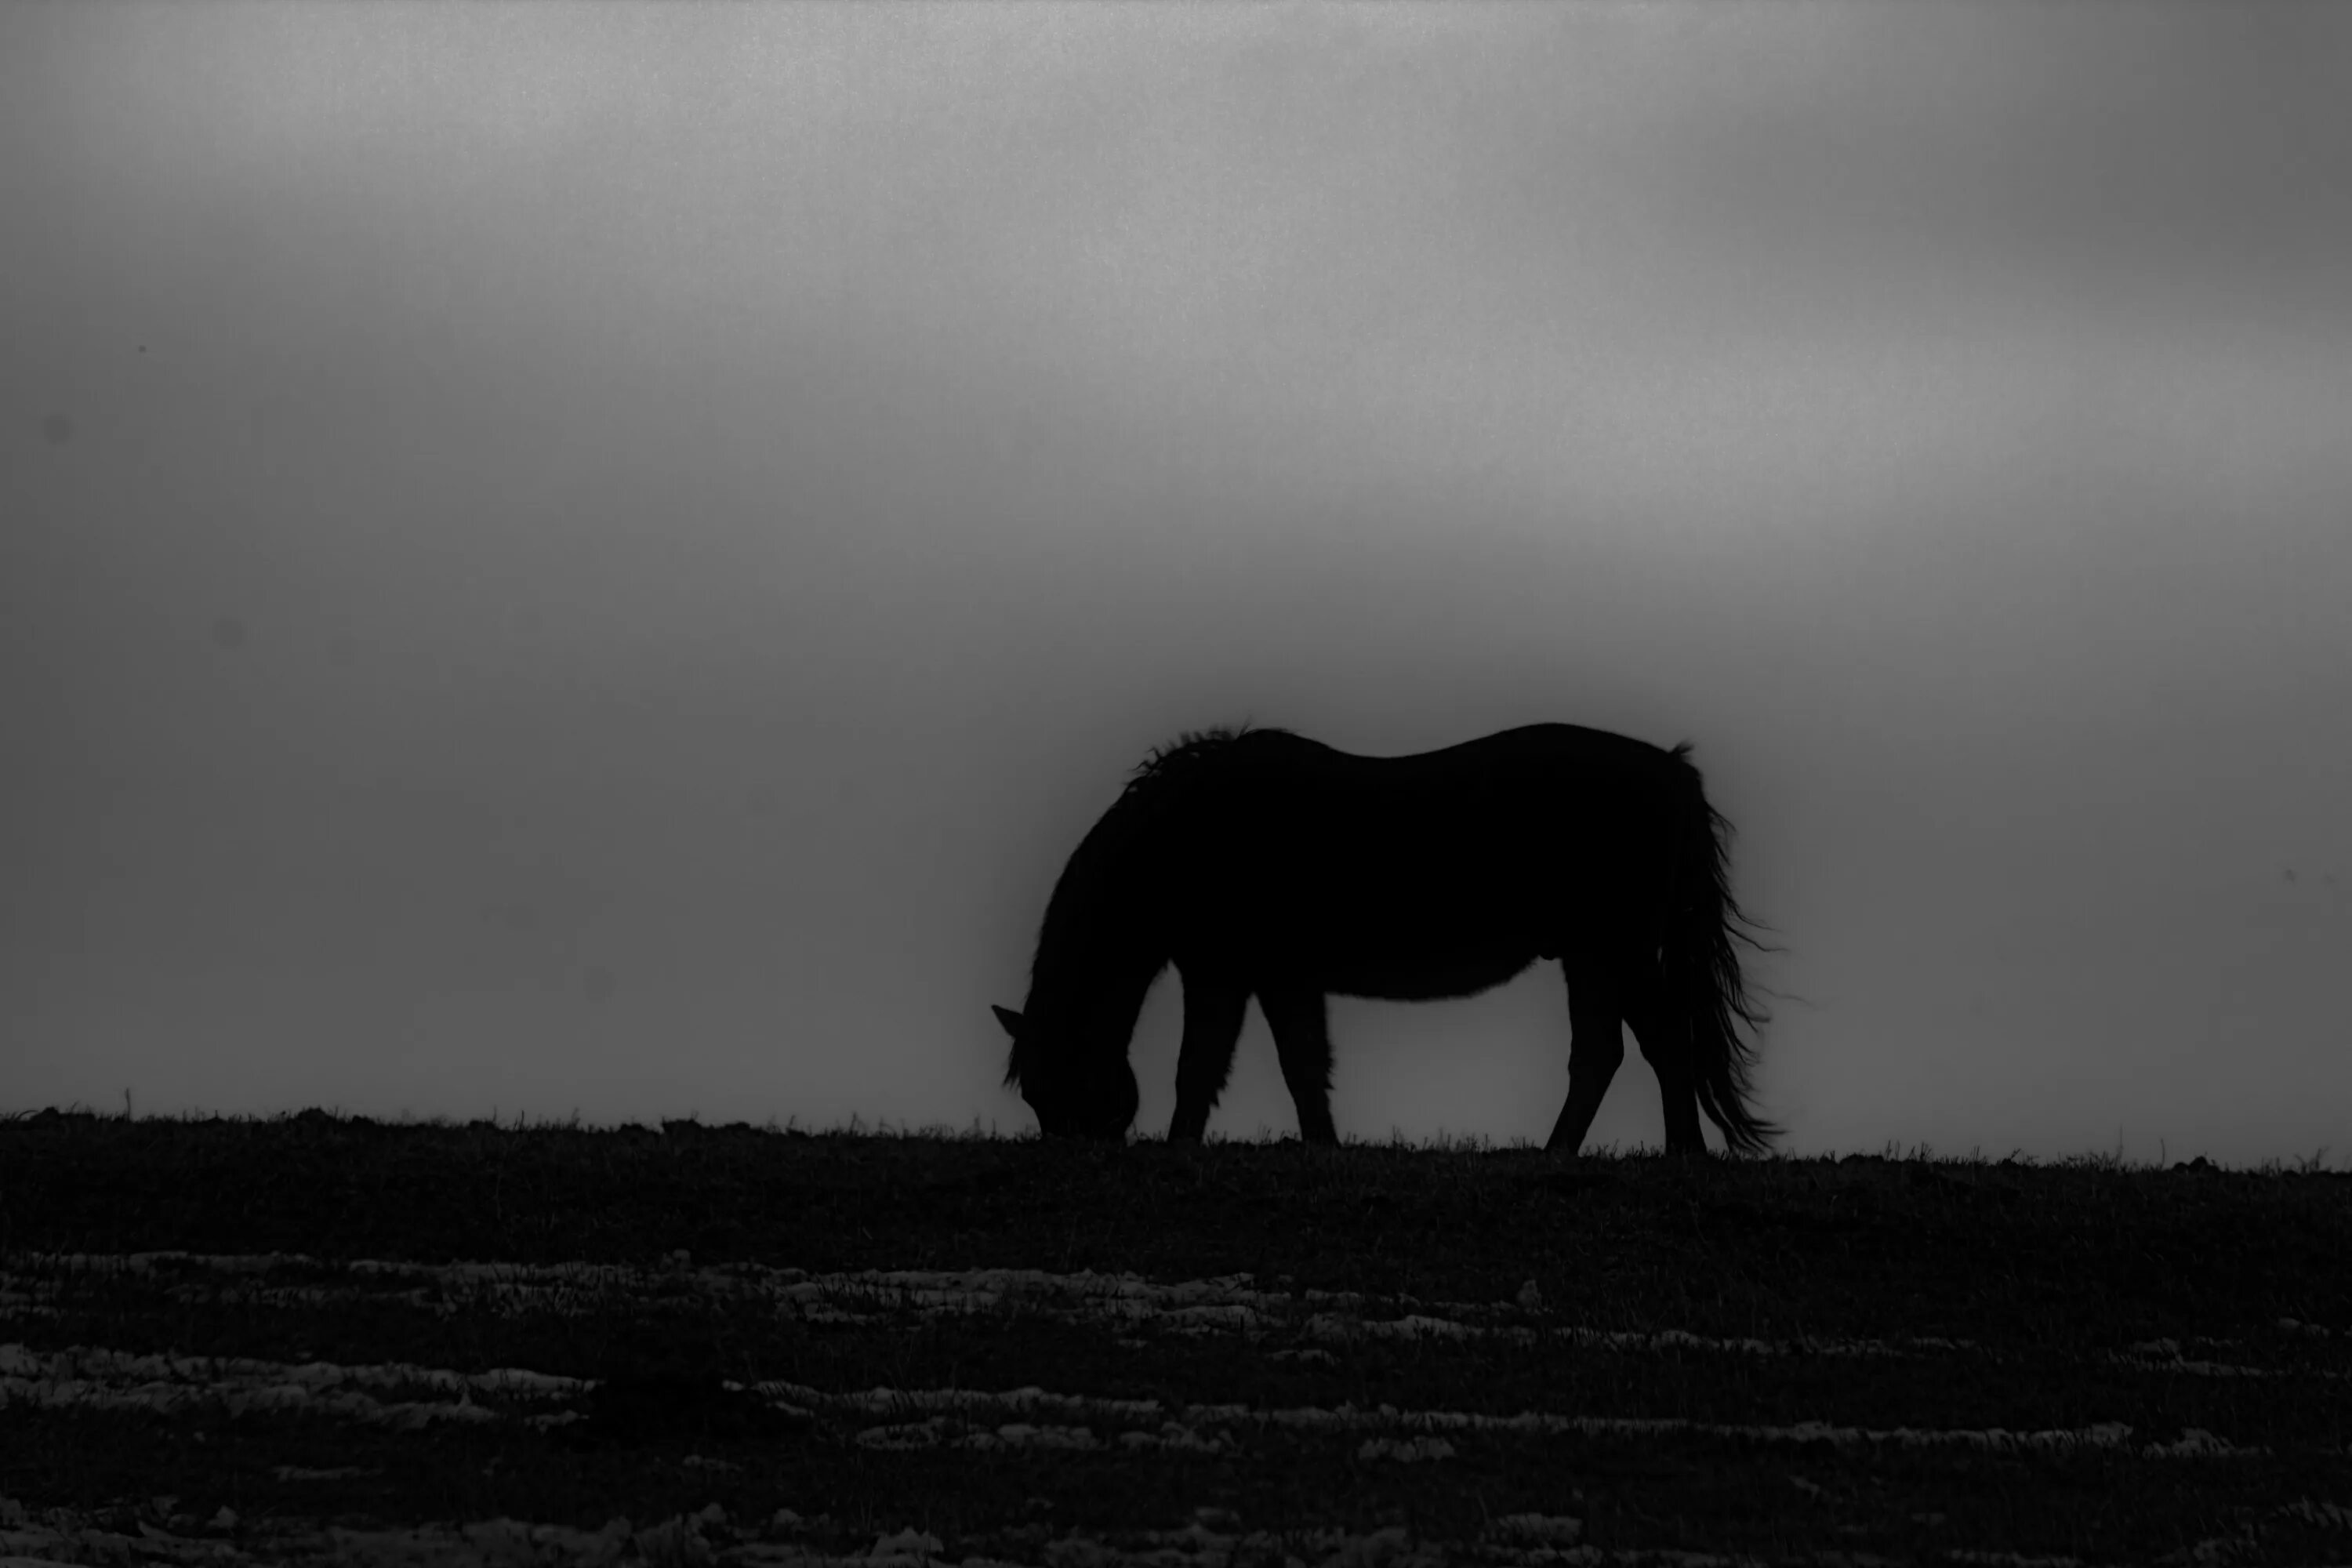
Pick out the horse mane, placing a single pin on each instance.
(1074, 909)
(1151, 783)
(1185, 752)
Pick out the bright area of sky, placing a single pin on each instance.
(602, 558)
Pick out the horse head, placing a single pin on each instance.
(1077, 1092)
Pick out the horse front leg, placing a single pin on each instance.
(1302, 1037)
(1213, 1027)
(1596, 1046)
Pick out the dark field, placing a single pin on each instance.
(389, 1343)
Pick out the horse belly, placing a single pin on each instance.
(1363, 908)
(1425, 975)
(1376, 947)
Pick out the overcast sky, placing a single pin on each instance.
(599, 557)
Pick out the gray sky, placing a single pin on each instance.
(603, 557)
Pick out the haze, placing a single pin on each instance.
(601, 558)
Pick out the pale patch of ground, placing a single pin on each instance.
(407, 1397)
(1214, 1540)
(1230, 1303)
(97, 1378)
(1226, 1304)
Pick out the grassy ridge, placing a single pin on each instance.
(2059, 1279)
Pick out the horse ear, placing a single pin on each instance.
(1009, 1018)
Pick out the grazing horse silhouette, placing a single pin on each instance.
(1260, 862)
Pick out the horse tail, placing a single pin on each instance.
(1702, 966)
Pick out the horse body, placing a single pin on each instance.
(1411, 877)
(1266, 864)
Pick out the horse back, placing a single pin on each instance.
(1473, 860)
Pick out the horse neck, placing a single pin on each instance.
(1093, 975)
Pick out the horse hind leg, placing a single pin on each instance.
(1596, 1046)
(1213, 1027)
(1663, 1030)
(1302, 1037)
